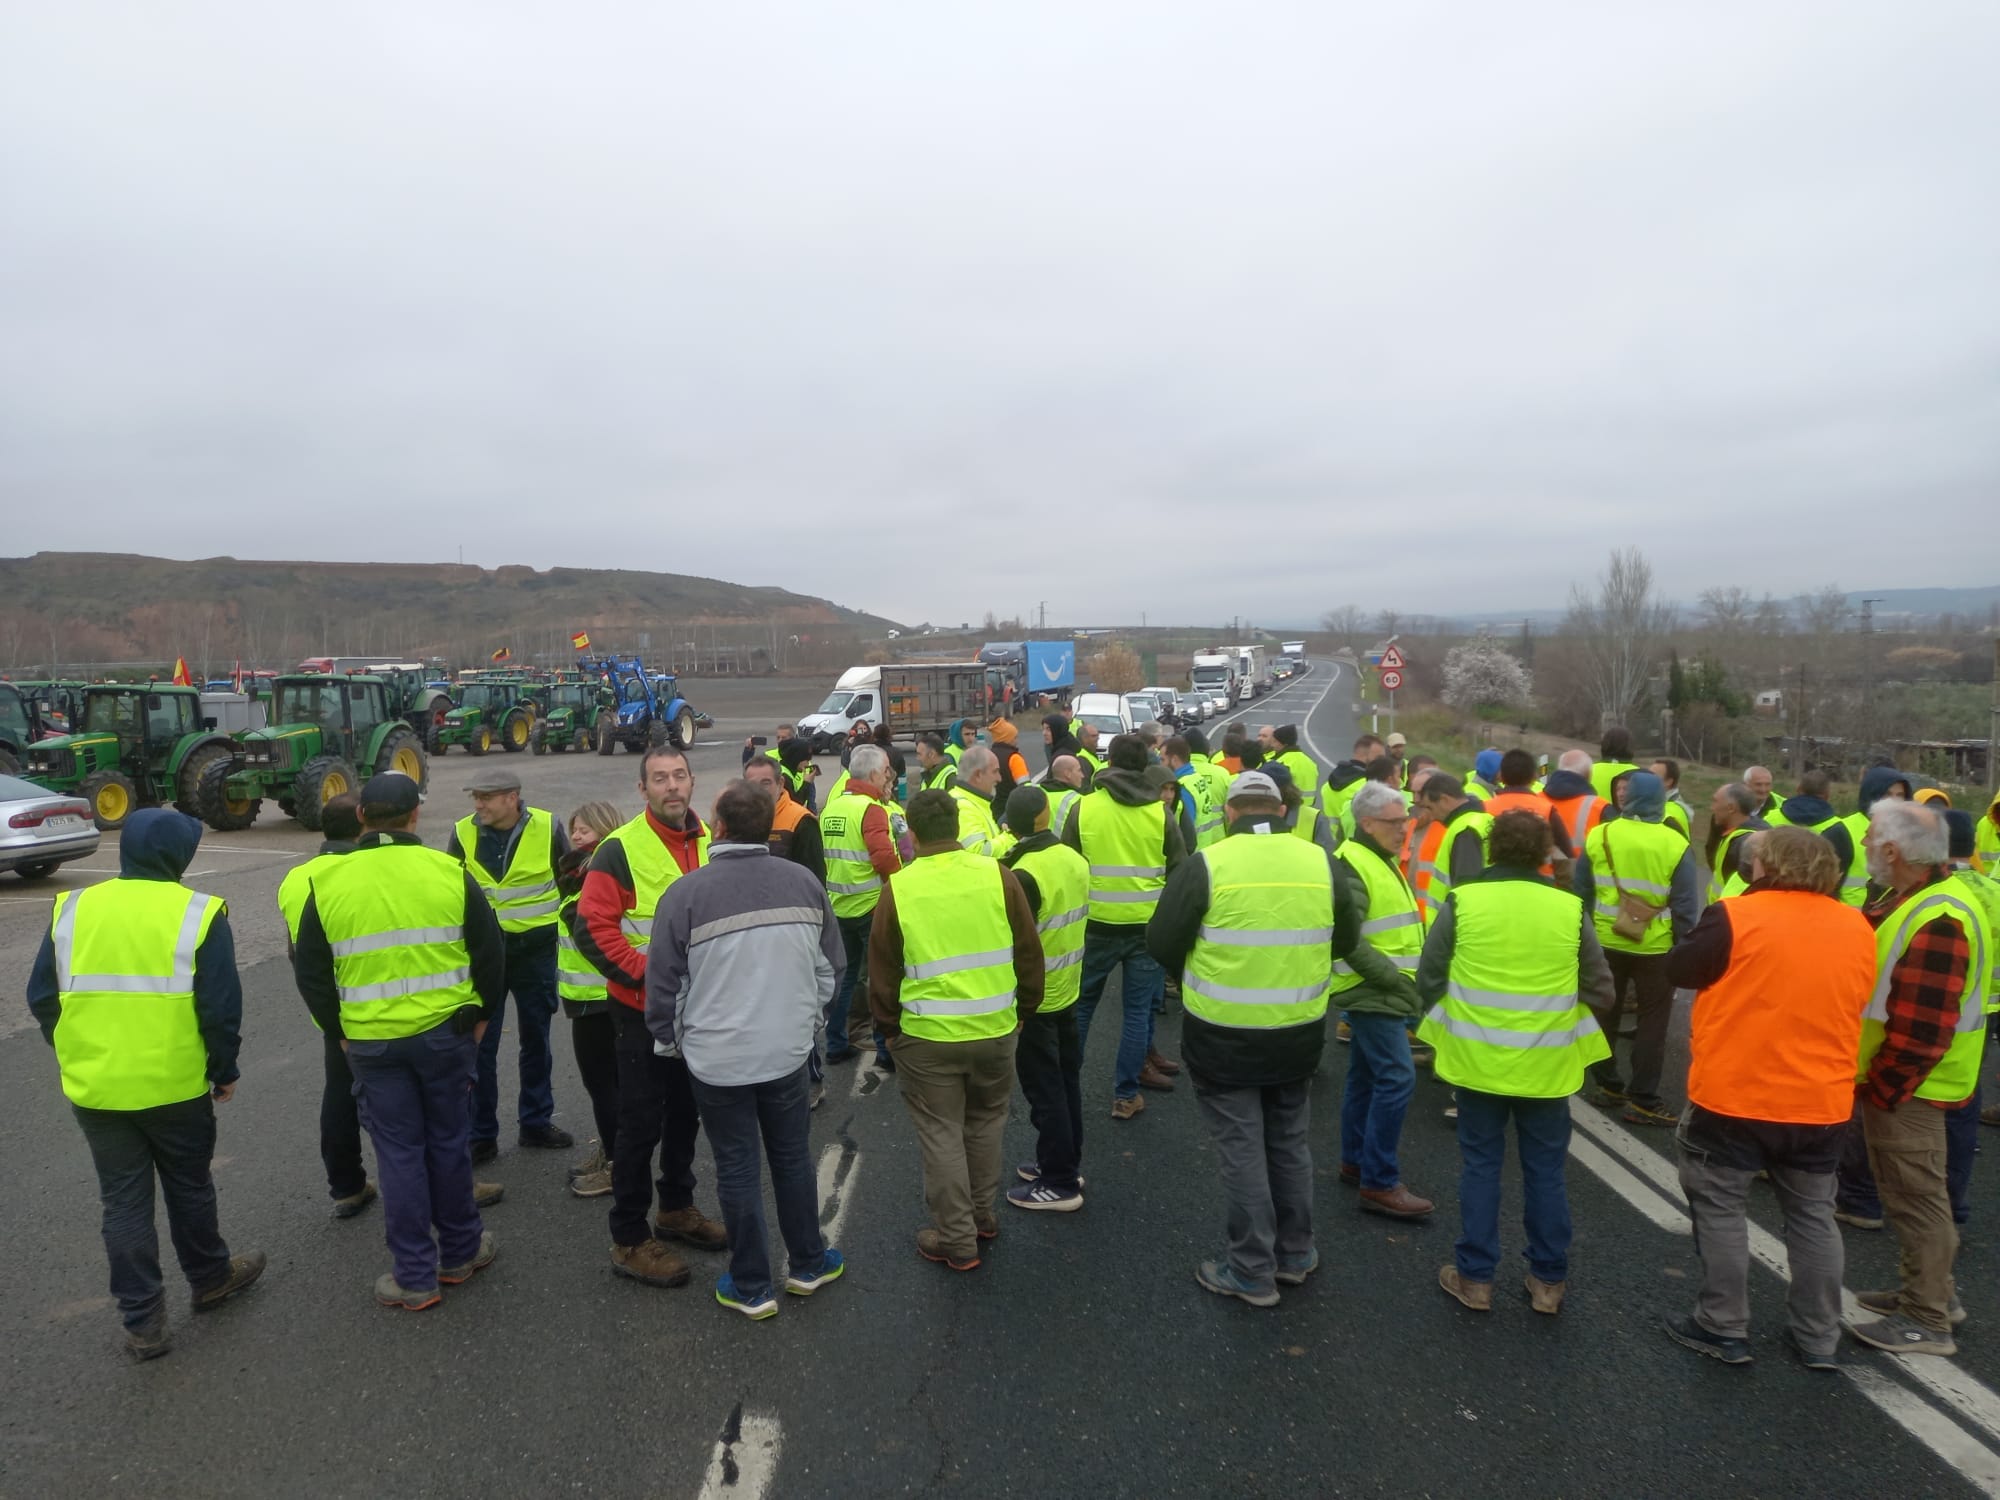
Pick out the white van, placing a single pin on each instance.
(855, 699)
(1106, 711)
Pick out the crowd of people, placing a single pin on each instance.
(956, 920)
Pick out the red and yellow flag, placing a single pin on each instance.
(581, 640)
(182, 677)
(505, 653)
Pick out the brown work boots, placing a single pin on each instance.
(651, 1262)
(691, 1227)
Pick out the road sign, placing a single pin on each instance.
(1393, 658)
(1391, 680)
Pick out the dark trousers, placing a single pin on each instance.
(847, 1018)
(1541, 1133)
(596, 1044)
(339, 1126)
(1049, 1063)
(1643, 975)
(1856, 1193)
(531, 980)
(174, 1142)
(416, 1095)
(655, 1106)
(1263, 1140)
(746, 1124)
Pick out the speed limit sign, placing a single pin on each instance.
(1391, 680)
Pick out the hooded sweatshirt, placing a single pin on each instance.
(1806, 812)
(1061, 740)
(1646, 802)
(158, 844)
(954, 740)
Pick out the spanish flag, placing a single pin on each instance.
(581, 640)
(182, 677)
(505, 653)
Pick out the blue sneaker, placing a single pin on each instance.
(765, 1306)
(1224, 1282)
(831, 1264)
(1046, 1196)
(1294, 1269)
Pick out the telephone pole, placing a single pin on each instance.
(1868, 653)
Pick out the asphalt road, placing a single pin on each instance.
(1081, 1359)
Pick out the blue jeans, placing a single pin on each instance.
(1104, 949)
(129, 1147)
(1380, 1081)
(531, 979)
(854, 943)
(415, 1094)
(739, 1120)
(1541, 1133)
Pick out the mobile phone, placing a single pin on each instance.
(759, 740)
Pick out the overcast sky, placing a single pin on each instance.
(1191, 309)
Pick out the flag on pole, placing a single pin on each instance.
(581, 640)
(182, 677)
(505, 653)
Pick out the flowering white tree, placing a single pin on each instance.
(1481, 674)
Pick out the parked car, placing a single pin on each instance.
(1107, 711)
(40, 829)
(1192, 707)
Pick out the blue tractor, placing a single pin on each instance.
(646, 708)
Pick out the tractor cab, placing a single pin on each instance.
(135, 745)
(17, 729)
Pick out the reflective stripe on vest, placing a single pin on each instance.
(1217, 779)
(652, 870)
(1646, 854)
(1854, 879)
(394, 917)
(128, 1037)
(1430, 878)
(1986, 891)
(1511, 1021)
(525, 897)
(1061, 804)
(576, 981)
(1580, 815)
(1957, 1072)
(1393, 927)
(1304, 769)
(851, 881)
(1264, 956)
(1125, 847)
(958, 948)
(295, 888)
(1062, 880)
(976, 829)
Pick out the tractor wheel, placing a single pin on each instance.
(515, 732)
(188, 790)
(288, 807)
(10, 763)
(581, 742)
(434, 733)
(607, 732)
(681, 732)
(323, 778)
(402, 751)
(480, 740)
(538, 738)
(656, 733)
(220, 811)
(112, 799)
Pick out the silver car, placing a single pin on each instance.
(41, 829)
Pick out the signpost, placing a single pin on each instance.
(1392, 678)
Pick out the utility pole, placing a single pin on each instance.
(1868, 654)
(1044, 613)
(1993, 729)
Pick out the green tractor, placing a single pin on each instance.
(326, 737)
(490, 711)
(138, 745)
(413, 699)
(564, 715)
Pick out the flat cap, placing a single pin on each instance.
(493, 779)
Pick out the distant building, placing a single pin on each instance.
(1771, 701)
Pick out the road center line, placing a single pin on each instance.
(839, 1165)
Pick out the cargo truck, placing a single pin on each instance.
(911, 697)
(1213, 675)
(1253, 673)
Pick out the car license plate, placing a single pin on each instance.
(63, 820)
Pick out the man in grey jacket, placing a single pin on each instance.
(745, 956)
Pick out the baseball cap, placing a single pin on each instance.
(1397, 741)
(390, 794)
(494, 779)
(1253, 784)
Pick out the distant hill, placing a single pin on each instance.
(100, 607)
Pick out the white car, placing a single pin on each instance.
(41, 829)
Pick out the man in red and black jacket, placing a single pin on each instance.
(613, 925)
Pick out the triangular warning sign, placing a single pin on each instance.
(1393, 658)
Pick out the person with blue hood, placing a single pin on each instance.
(1484, 781)
(1877, 782)
(962, 736)
(1642, 882)
(1810, 808)
(136, 988)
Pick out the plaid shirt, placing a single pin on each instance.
(1925, 988)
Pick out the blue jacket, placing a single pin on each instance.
(158, 844)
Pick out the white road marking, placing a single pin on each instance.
(745, 1460)
(1635, 1175)
(836, 1189)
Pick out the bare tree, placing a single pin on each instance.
(1345, 625)
(1388, 622)
(1621, 629)
(1769, 618)
(1726, 611)
(1820, 613)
